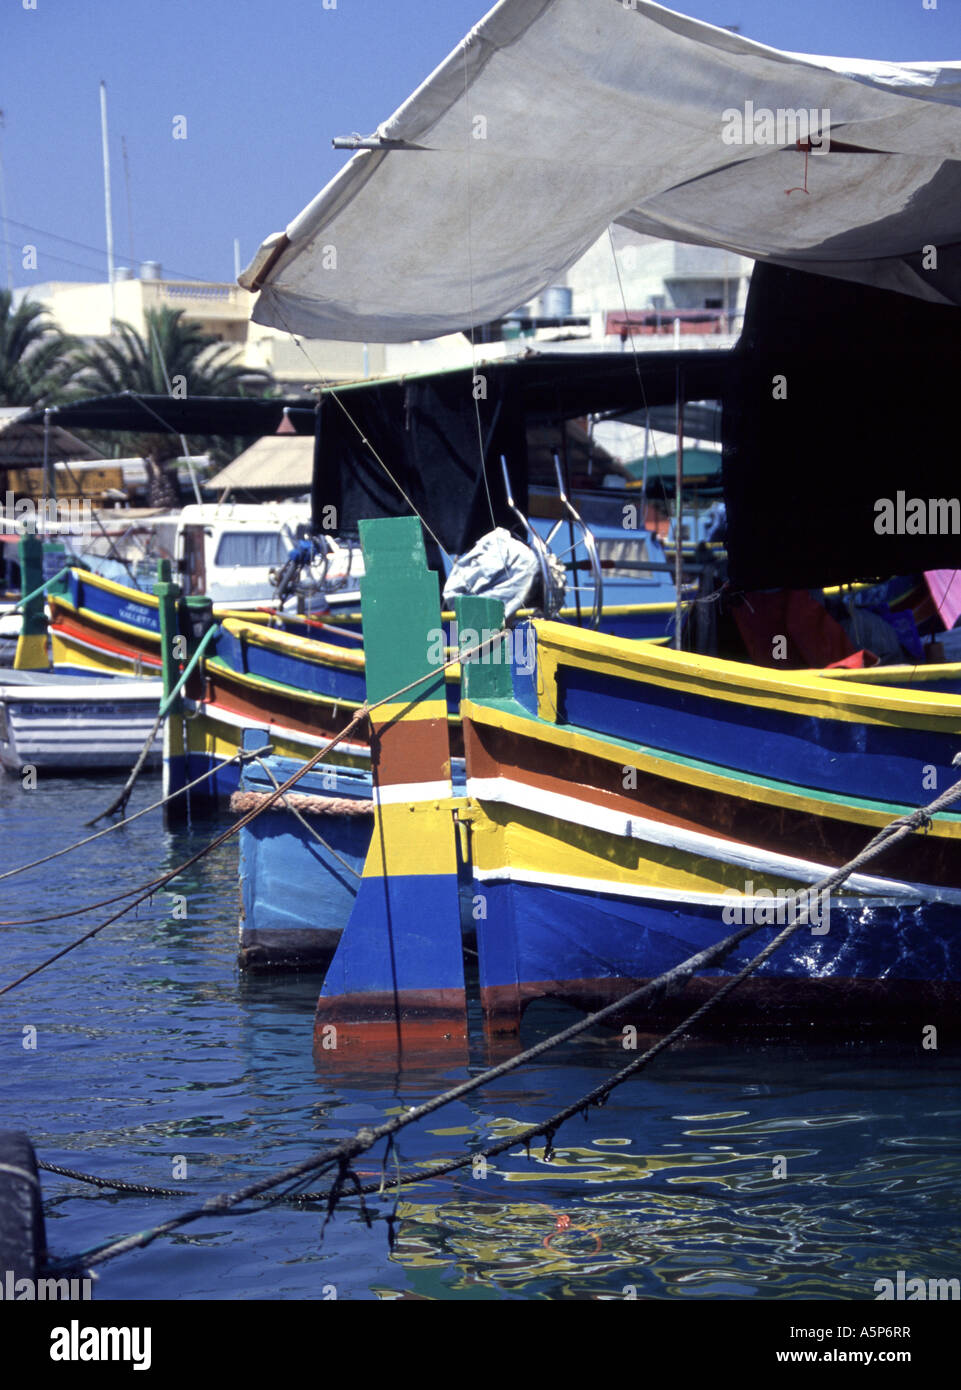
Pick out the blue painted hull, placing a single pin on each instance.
(297, 893)
(122, 608)
(249, 658)
(875, 962)
(829, 755)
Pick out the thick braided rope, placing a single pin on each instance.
(307, 805)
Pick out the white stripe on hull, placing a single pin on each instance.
(86, 734)
(510, 792)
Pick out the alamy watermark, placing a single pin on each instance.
(906, 1289)
(72, 516)
(489, 646)
(76, 1343)
(801, 127)
(917, 516)
(766, 908)
(14, 1290)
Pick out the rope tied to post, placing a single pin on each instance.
(146, 890)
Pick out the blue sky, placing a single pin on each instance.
(264, 85)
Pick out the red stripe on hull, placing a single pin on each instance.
(722, 815)
(767, 1007)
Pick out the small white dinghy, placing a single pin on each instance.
(74, 723)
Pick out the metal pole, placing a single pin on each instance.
(31, 653)
(570, 524)
(183, 439)
(647, 444)
(106, 200)
(49, 484)
(126, 179)
(679, 513)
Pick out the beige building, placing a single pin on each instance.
(705, 286)
(85, 310)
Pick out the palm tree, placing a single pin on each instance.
(36, 365)
(174, 358)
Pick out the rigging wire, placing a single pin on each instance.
(630, 334)
(343, 1152)
(288, 804)
(240, 756)
(473, 326)
(97, 250)
(330, 390)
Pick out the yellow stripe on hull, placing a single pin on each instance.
(511, 835)
(206, 734)
(908, 676)
(31, 653)
(404, 709)
(305, 648)
(69, 651)
(419, 837)
(804, 693)
(110, 586)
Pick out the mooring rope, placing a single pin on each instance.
(239, 757)
(140, 1188)
(148, 889)
(119, 803)
(54, 579)
(296, 812)
(307, 805)
(342, 1153)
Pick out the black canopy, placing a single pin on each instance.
(843, 396)
(837, 397)
(424, 430)
(131, 413)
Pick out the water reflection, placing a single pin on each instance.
(722, 1172)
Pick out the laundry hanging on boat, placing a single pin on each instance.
(498, 566)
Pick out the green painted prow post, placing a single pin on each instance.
(486, 675)
(173, 652)
(31, 653)
(396, 983)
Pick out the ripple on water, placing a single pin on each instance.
(152, 1049)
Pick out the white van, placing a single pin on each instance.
(234, 552)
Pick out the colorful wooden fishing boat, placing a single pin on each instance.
(620, 801)
(57, 724)
(60, 721)
(621, 809)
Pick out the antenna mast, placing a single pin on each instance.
(106, 201)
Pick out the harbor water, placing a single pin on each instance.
(795, 1170)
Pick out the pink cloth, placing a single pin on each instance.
(944, 586)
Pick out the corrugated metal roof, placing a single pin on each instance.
(275, 462)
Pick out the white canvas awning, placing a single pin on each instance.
(554, 118)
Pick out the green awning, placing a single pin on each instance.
(698, 463)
